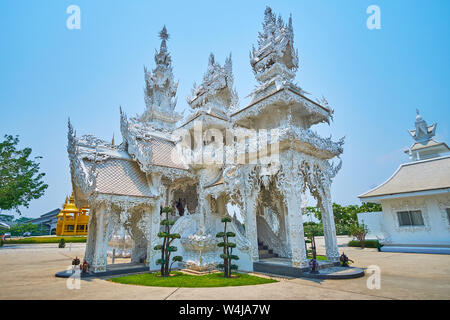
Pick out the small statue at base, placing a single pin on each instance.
(85, 266)
(314, 265)
(344, 259)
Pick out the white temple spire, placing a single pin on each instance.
(160, 89)
(275, 61)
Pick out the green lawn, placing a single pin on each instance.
(45, 240)
(318, 257)
(191, 281)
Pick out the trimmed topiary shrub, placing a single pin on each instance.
(368, 244)
(166, 247)
(227, 246)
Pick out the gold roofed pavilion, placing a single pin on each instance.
(71, 220)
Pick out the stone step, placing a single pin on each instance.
(327, 270)
(267, 255)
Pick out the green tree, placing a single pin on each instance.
(227, 246)
(18, 229)
(359, 230)
(313, 212)
(345, 216)
(311, 231)
(6, 217)
(166, 247)
(370, 207)
(20, 179)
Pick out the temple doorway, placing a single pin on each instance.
(119, 247)
(271, 225)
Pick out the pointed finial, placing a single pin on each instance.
(228, 62)
(211, 59)
(112, 141)
(163, 35)
(417, 111)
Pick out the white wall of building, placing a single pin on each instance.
(373, 221)
(436, 229)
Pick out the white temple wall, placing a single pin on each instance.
(436, 229)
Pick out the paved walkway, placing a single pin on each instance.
(27, 272)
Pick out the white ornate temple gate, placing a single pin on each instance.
(262, 157)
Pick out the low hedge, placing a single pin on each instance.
(79, 239)
(368, 244)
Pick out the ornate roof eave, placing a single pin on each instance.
(285, 95)
(123, 202)
(431, 130)
(171, 174)
(83, 177)
(207, 117)
(161, 115)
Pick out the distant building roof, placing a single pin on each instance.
(432, 146)
(48, 217)
(51, 213)
(419, 176)
(4, 225)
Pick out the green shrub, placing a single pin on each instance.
(62, 243)
(368, 243)
(31, 240)
(166, 247)
(227, 246)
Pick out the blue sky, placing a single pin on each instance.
(374, 79)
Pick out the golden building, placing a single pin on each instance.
(71, 220)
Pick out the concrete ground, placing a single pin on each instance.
(27, 272)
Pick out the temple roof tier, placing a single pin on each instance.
(284, 99)
(216, 91)
(149, 147)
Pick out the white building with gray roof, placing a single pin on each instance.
(416, 198)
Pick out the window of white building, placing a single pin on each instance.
(410, 218)
(448, 215)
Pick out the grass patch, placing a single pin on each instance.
(369, 244)
(318, 257)
(191, 281)
(73, 239)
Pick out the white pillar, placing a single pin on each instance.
(329, 228)
(99, 257)
(294, 222)
(91, 236)
(251, 231)
(153, 239)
